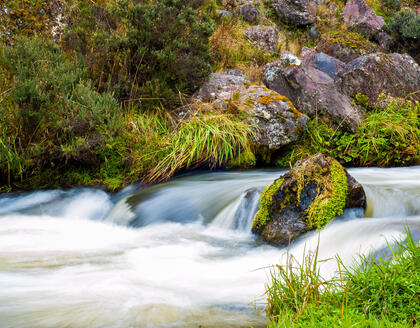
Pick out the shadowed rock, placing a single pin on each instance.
(300, 12)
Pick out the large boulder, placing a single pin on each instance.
(263, 37)
(312, 92)
(299, 12)
(278, 122)
(360, 17)
(394, 74)
(313, 192)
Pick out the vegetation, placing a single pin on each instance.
(151, 50)
(389, 135)
(404, 27)
(376, 292)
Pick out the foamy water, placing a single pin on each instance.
(179, 254)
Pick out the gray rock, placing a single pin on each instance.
(224, 14)
(297, 11)
(313, 32)
(312, 92)
(313, 192)
(327, 64)
(248, 12)
(264, 37)
(278, 122)
(394, 74)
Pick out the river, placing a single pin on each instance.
(178, 254)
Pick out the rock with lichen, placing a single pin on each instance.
(299, 12)
(263, 37)
(312, 92)
(248, 12)
(277, 121)
(306, 198)
(393, 74)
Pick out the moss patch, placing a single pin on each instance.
(331, 201)
(263, 215)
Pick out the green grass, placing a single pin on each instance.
(375, 292)
(388, 136)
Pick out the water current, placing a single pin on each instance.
(178, 254)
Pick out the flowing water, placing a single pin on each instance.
(179, 254)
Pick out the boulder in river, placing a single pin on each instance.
(313, 192)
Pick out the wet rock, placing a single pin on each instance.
(263, 37)
(313, 192)
(394, 74)
(312, 92)
(278, 121)
(299, 12)
(248, 12)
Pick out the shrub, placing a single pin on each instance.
(392, 4)
(53, 115)
(152, 50)
(404, 27)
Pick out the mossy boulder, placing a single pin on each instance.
(313, 192)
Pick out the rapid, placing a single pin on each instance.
(177, 254)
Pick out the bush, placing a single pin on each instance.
(53, 115)
(151, 50)
(404, 27)
(392, 4)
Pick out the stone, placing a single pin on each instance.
(224, 14)
(393, 74)
(311, 194)
(248, 12)
(360, 17)
(277, 120)
(313, 32)
(298, 12)
(322, 62)
(264, 37)
(312, 92)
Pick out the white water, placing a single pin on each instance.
(175, 255)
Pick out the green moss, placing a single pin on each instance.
(331, 201)
(262, 217)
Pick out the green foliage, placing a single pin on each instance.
(53, 115)
(377, 292)
(329, 204)
(387, 136)
(404, 27)
(151, 50)
(262, 217)
(392, 4)
(209, 139)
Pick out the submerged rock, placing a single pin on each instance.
(313, 192)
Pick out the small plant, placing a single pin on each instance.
(392, 4)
